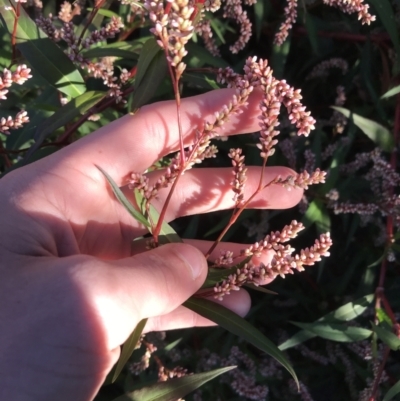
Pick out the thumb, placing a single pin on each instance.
(149, 284)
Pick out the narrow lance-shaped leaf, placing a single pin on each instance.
(375, 131)
(344, 313)
(240, 327)
(44, 56)
(147, 83)
(65, 114)
(335, 331)
(387, 16)
(128, 348)
(393, 391)
(173, 389)
(123, 200)
(167, 233)
(391, 92)
(389, 338)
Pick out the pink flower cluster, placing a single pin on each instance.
(282, 263)
(7, 78)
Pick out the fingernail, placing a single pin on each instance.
(193, 259)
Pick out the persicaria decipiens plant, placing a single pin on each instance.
(275, 93)
(134, 41)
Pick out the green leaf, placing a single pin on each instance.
(104, 12)
(198, 56)
(76, 107)
(317, 213)
(44, 56)
(386, 336)
(118, 49)
(335, 331)
(167, 233)
(240, 327)
(312, 32)
(151, 70)
(344, 313)
(375, 131)
(382, 316)
(391, 92)
(387, 16)
(128, 348)
(199, 80)
(124, 201)
(173, 389)
(393, 391)
(280, 54)
(215, 25)
(149, 51)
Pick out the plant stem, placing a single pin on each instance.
(379, 375)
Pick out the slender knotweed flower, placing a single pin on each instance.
(7, 78)
(290, 13)
(239, 173)
(69, 10)
(347, 6)
(352, 7)
(322, 69)
(203, 28)
(282, 263)
(383, 179)
(174, 28)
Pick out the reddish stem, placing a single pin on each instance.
(97, 109)
(378, 376)
(238, 211)
(7, 161)
(92, 14)
(14, 33)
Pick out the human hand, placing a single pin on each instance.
(73, 286)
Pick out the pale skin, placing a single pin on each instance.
(72, 286)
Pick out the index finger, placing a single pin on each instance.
(133, 143)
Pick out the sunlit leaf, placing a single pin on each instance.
(104, 12)
(65, 114)
(382, 316)
(391, 92)
(344, 313)
(335, 331)
(117, 49)
(123, 200)
(375, 131)
(45, 57)
(173, 389)
(240, 327)
(393, 391)
(172, 345)
(128, 348)
(388, 337)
